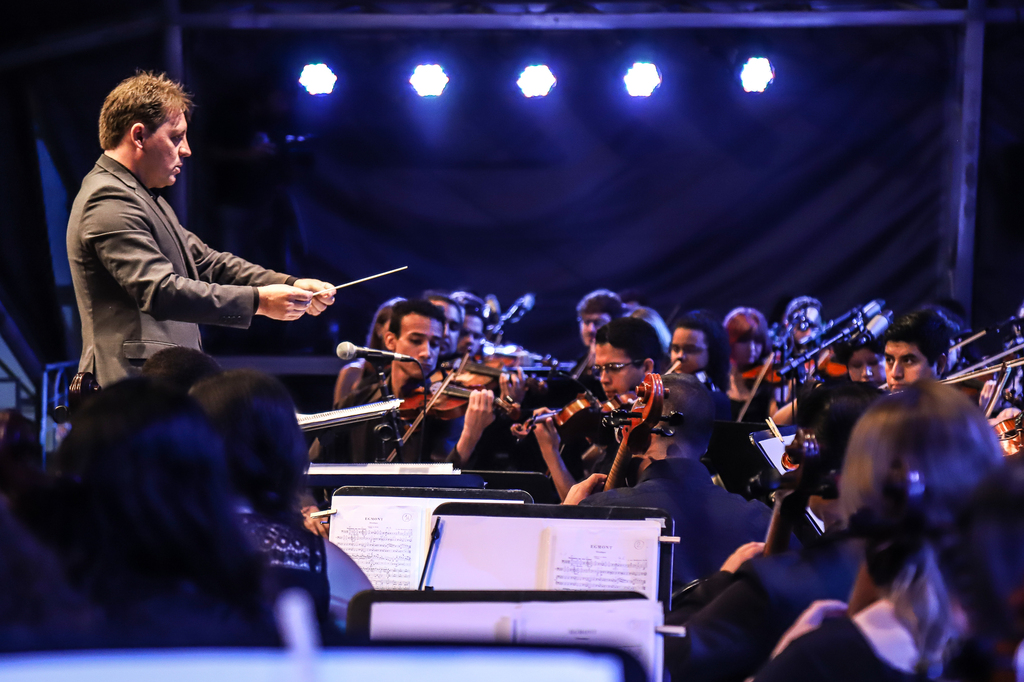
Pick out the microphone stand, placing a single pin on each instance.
(387, 430)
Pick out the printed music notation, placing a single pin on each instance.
(385, 542)
(582, 558)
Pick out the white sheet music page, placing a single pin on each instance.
(627, 624)
(386, 542)
(615, 555)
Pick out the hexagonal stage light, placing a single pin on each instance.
(536, 81)
(428, 80)
(317, 79)
(641, 79)
(757, 74)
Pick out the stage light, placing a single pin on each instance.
(641, 79)
(757, 74)
(429, 80)
(318, 79)
(536, 81)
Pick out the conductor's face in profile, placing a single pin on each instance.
(161, 152)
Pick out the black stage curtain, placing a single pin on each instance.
(999, 245)
(832, 183)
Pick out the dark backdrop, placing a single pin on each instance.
(832, 183)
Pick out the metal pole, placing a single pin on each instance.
(174, 63)
(966, 161)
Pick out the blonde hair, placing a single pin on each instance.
(147, 98)
(939, 433)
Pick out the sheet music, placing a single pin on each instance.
(627, 624)
(614, 556)
(385, 541)
(377, 468)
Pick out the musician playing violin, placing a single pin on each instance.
(453, 317)
(471, 336)
(625, 351)
(709, 521)
(915, 348)
(416, 329)
(748, 349)
(700, 346)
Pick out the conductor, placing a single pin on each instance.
(142, 281)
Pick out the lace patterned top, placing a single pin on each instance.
(293, 556)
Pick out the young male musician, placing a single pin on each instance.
(916, 345)
(709, 521)
(453, 317)
(142, 281)
(416, 329)
(625, 351)
(471, 337)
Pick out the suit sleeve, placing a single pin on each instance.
(115, 224)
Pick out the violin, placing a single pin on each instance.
(451, 404)
(805, 477)
(1011, 435)
(581, 416)
(643, 417)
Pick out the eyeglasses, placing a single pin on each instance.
(612, 367)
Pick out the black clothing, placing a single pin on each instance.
(358, 444)
(710, 522)
(723, 406)
(293, 557)
(730, 637)
(836, 651)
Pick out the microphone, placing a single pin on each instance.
(867, 311)
(519, 307)
(350, 351)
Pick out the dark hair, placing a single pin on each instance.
(691, 398)
(718, 343)
(844, 351)
(472, 305)
(635, 337)
(180, 366)
(156, 507)
(148, 98)
(414, 306)
(263, 445)
(986, 564)
(600, 301)
(925, 329)
(831, 411)
(373, 340)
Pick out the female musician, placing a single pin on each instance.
(865, 362)
(700, 346)
(912, 462)
(266, 457)
(748, 344)
(357, 371)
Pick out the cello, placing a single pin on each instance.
(637, 425)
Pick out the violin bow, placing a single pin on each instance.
(757, 384)
(429, 404)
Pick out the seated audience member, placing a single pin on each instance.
(701, 347)
(985, 568)
(155, 540)
(180, 366)
(651, 317)
(362, 370)
(915, 349)
(865, 361)
(417, 330)
(709, 521)
(266, 457)
(913, 460)
(38, 609)
(735, 617)
(626, 350)
(748, 348)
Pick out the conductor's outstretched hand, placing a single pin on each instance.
(283, 302)
(319, 303)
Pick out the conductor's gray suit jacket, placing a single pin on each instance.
(142, 281)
